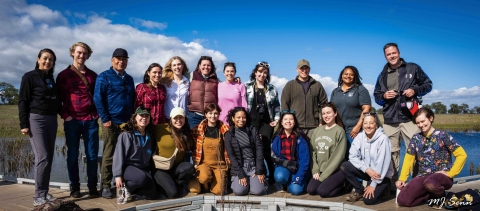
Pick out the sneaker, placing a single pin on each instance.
(49, 197)
(121, 196)
(354, 196)
(93, 192)
(39, 201)
(126, 194)
(75, 194)
(107, 193)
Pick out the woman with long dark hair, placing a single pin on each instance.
(174, 139)
(290, 154)
(132, 157)
(245, 150)
(151, 94)
(38, 106)
(263, 108)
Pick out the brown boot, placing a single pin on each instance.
(354, 196)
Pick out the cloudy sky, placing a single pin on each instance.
(441, 36)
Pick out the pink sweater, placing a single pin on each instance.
(230, 95)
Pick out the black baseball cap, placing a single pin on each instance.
(120, 52)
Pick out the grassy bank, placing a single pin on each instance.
(9, 123)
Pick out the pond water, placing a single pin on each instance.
(469, 142)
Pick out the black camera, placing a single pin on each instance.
(261, 108)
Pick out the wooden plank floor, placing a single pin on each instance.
(20, 197)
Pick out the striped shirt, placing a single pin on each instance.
(244, 143)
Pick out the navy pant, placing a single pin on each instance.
(329, 187)
(139, 181)
(88, 130)
(42, 132)
(170, 180)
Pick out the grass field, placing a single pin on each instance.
(10, 125)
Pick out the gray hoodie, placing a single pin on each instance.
(374, 154)
(131, 151)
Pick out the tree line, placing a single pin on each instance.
(9, 96)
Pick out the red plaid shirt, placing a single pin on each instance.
(77, 100)
(152, 99)
(287, 144)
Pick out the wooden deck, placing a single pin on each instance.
(15, 196)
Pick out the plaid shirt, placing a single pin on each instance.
(271, 94)
(287, 144)
(152, 99)
(198, 133)
(77, 100)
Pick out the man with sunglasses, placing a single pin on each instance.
(114, 99)
(304, 95)
(399, 80)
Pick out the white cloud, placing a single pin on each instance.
(24, 32)
(148, 24)
(80, 15)
(470, 96)
(279, 83)
(194, 32)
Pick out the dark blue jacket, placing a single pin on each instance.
(410, 75)
(302, 157)
(114, 96)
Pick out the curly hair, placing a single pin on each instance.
(338, 119)
(131, 125)
(182, 137)
(356, 76)
(252, 75)
(233, 111)
(296, 131)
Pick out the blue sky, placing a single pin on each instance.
(443, 37)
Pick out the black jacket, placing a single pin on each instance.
(410, 75)
(36, 96)
(235, 153)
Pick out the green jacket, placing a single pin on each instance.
(328, 150)
(306, 106)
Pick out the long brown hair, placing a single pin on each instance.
(338, 120)
(146, 77)
(182, 137)
(132, 125)
(47, 50)
(167, 75)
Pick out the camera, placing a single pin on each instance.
(261, 108)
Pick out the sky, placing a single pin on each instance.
(442, 37)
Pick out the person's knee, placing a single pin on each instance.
(281, 175)
(370, 201)
(295, 189)
(240, 190)
(171, 194)
(323, 193)
(402, 200)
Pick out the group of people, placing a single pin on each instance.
(181, 131)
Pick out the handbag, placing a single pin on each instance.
(164, 163)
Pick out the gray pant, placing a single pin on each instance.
(43, 132)
(253, 183)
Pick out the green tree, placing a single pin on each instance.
(454, 109)
(477, 109)
(428, 106)
(439, 108)
(464, 108)
(8, 94)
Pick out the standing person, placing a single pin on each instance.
(174, 136)
(37, 107)
(352, 100)
(210, 157)
(263, 108)
(290, 154)
(151, 94)
(176, 84)
(76, 86)
(304, 95)
(328, 146)
(399, 80)
(369, 159)
(132, 158)
(246, 155)
(203, 90)
(231, 93)
(432, 150)
(114, 99)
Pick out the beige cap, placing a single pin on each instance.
(177, 111)
(303, 62)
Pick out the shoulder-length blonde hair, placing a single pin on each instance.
(168, 73)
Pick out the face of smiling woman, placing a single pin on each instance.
(240, 119)
(45, 62)
(369, 126)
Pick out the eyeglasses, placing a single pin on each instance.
(288, 111)
(264, 64)
(369, 114)
(229, 64)
(205, 58)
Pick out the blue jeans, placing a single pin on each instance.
(194, 119)
(89, 131)
(284, 177)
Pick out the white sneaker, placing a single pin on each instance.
(121, 196)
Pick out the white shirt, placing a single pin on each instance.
(177, 96)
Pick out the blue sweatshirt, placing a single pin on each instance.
(114, 96)
(374, 154)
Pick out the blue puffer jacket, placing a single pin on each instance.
(114, 96)
(302, 157)
(410, 75)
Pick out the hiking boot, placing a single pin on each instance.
(93, 192)
(39, 201)
(75, 192)
(107, 193)
(354, 196)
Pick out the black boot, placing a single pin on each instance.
(75, 191)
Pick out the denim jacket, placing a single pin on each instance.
(271, 94)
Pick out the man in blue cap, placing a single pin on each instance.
(114, 99)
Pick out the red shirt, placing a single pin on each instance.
(287, 144)
(77, 100)
(152, 99)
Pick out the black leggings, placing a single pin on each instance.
(329, 187)
(140, 182)
(169, 180)
(266, 131)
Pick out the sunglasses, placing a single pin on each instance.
(264, 64)
(288, 112)
(369, 114)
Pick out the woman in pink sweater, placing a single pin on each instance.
(230, 93)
